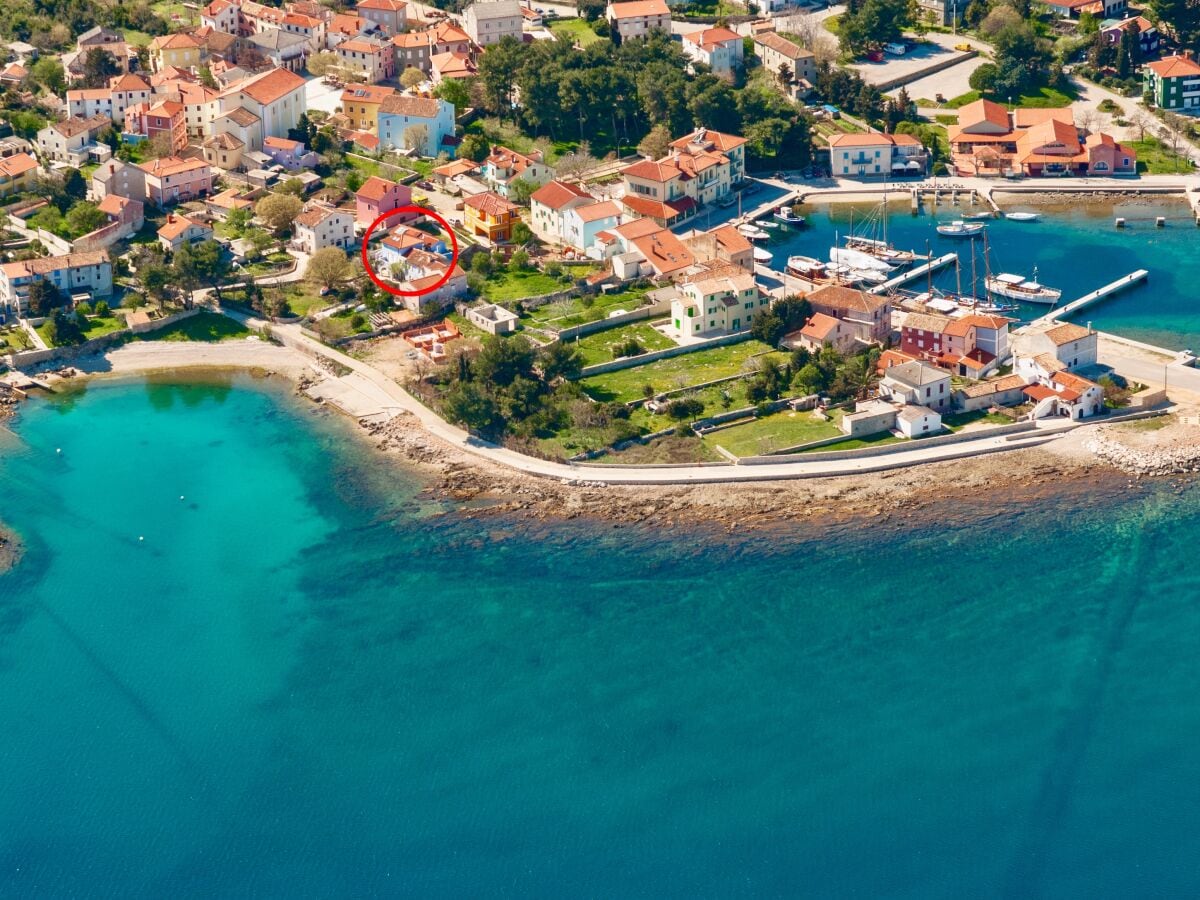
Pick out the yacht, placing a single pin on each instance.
(858, 259)
(752, 232)
(1017, 287)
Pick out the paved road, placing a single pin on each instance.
(376, 387)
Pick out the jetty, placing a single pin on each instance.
(1088, 299)
(914, 273)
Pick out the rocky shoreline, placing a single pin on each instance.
(1165, 452)
(11, 549)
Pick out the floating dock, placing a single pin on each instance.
(913, 274)
(1099, 294)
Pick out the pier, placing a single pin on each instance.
(1088, 299)
(913, 274)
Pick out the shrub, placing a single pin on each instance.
(101, 308)
(357, 321)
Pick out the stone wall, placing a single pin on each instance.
(629, 362)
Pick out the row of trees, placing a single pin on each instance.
(613, 96)
(872, 23)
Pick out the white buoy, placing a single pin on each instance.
(181, 496)
(58, 449)
(140, 538)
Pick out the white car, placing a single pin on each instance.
(895, 49)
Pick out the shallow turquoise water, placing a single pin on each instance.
(1075, 247)
(302, 683)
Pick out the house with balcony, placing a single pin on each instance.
(370, 58)
(88, 271)
(71, 141)
(165, 118)
(490, 216)
(360, 105)
(700, 169)
(1173, 82)
(715, 299)
(400, 243)
(792, 65)
(172, 180)
(504, 167)
(319, 226)
(292, 155)
(548, 205)
(181, 231)
(869, 314)
(876, 155)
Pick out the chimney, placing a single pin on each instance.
(1189, 54)
(170, 218)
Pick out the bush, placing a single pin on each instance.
(101, 308)
(630, 347)
(357, 321)
(84, 308)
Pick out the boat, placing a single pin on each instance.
(881, 249)
(1017, 287)
(959, 228)
(858, 259)
(727, 202)
(761, 255)
(788, 216)
(1022, 216)
(869, 276)
(979, 215)
(771, 225)
(816, 272)
(752, 233)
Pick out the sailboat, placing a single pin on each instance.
(858, 259)
(880, 249)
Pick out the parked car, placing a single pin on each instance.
(895, 49)
(964, 47)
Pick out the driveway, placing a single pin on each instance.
(950, 83)
(906, 68)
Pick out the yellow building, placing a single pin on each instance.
(491, 216)
(360, 104)
(17, 173)
(182, 51)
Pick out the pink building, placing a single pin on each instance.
(171, 180)
(378, 196)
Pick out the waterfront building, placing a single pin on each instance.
(88, 271)
(701, 168)
(1173, 82)
(869, 314)
(1074, 346)
(918, 383)
(876, 155)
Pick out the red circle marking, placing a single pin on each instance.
(399, 210)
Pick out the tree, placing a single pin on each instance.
(49, 73)
(474, 147)
(207, 79)
(520, 190)
(454, 92)
(1183, 17)
(204, 262)
(518, 262)
(84, 218)
(683, 408)
(575, 164)
(590, 10)
(411, 77)
(656, 143)
(293, 186)
(416, 137)
(502, 360)
(560, 360)
(983, 79)
(101, 309)
(278, 211)
(319, 64)
(522, 234)
(329, 267)
(44, 297)
(160, 146)
(98, 67)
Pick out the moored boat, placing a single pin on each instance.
(1022, 216)
(762, 256)
(882, 250)
(816, 272)
(858, 259)
(788, 216)
(979, 215)
(959, 228)
(869, 276)
(752, 233)
(1017, 287)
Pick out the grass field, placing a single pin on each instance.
(204, 326)
(1044, 97)
(774, 432)
(508, 287)
(958, 421)
(598, 347)
(580, 310)
(697, 367)
(1154, 157)
(871, 440)
(576, 31)
(97, 326)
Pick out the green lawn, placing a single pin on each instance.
(871, 440)
(14, 339)
(98, 326)
(1044, 97)
(581, 310)
(1154, 157)
(508, 287)
(957, 421)
(575, 31)
(679, 371)
(203, 326)
(774, 432)
(269, 265)
(598, 347)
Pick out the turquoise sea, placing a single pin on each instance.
(242, 657)
(1076, 248)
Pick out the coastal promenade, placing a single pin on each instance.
(379, 398)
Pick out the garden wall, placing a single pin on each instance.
(885, 449)
(648, 311)
(96, 345)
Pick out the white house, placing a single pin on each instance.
(717, 299)
(276, 97)
(638, 18)
(180, 231)
(917, 383)
(549, 203)
(718, 48)
(489, 21)
(918, 421)
(89, 271)
(319, 226)
(874, 154)
(68, 141)
(1072, 345)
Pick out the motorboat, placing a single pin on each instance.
(762, 256)
(1017, 287)
(752, 233)
(816, 272)
(959, 228)
(869, 276)
(1022, 216)
(858, 259)
(882, 250)
(788, 216)
(979, 215)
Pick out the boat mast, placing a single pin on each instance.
(929, 270)
(957, 271)
(974, 276)
(987, 268)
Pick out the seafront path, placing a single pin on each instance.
(378, 396)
